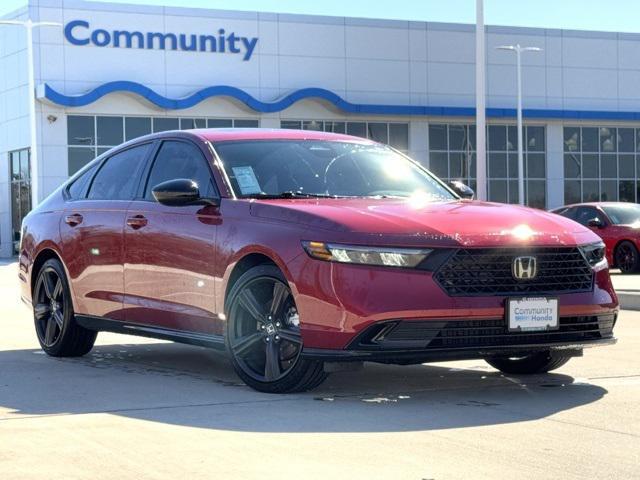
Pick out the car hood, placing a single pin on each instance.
(409, 221)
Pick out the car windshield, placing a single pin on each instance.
(308, 168)
(623, 214)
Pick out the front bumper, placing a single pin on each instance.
(407, 357)
(427, 341)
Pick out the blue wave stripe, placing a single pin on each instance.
(317, 93)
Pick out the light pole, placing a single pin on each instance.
(518, 49)
(29, 26)
(481, 131)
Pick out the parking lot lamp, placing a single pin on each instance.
(518, 50)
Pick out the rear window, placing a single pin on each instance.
(78, 188)
(119, 175)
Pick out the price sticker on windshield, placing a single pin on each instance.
(247, 180)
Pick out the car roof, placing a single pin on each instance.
(233, 134)
(593, 204)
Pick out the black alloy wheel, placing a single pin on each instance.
(49, 307)
(58, 333)
(263, 334)
(626, 257)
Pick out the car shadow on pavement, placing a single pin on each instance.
(190, 386)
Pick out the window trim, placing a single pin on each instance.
(151, 160)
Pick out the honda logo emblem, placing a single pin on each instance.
(524, 268)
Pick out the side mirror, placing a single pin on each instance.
(464, 191)
(180, 192)
(595, 223)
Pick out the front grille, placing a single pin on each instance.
(427, 335)
(487, 271)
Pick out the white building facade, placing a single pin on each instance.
(112, 72)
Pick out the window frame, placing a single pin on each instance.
(151, 160)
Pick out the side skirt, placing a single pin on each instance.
(100, 324)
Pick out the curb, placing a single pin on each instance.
(629, 300)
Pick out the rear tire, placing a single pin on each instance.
(540, 362)
(57, 331)
(263, 335)
(626, 257)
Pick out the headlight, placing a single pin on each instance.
(383, 256)
(594, 254)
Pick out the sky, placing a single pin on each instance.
(606, 15)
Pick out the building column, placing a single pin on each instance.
(555, 165)
(419, 141)
(6, 240)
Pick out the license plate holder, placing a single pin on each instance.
(532, 314)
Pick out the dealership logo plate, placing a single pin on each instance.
(532, 314)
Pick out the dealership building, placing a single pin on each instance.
(112, 72)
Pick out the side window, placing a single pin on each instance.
(180, 160)
(568, 212)
(118, 177)
(585, 214)
(78, 187)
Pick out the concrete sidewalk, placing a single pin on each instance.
(628, 289)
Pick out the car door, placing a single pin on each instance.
(585, 214)
(169, 251)
(92, 230)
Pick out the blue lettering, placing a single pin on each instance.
(211, 40)
(249, 45)
(193, 45)
(162, 40)
(68, 32)
(98, 41)
(221, 42)
(128, 37)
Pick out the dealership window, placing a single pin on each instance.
(394, 134)
(452, 156)
(89, 136)
(600, 164)
(20, 168)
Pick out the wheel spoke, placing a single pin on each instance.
(59, 319)
(57, 290)
(250, 303)
(290, 336)
(246, 344)
(280, 294)
(50, 332)
(48, 284)
(41, 310)
(272, 362)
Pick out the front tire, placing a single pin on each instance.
(626, 257)
(57, 331)
(263, 334)
(540, 362)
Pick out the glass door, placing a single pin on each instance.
(19, 163)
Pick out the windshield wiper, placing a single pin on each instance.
(292, 194)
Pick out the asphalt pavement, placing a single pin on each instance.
(144, 409)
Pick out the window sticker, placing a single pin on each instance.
(247, 180)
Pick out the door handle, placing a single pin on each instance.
(73, 219)
(137, 221)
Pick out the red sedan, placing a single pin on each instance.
(298, 252)
(617, 223)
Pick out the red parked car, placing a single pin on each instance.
(300, 251)
(617, 223)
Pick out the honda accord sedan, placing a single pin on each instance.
(301, 253)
